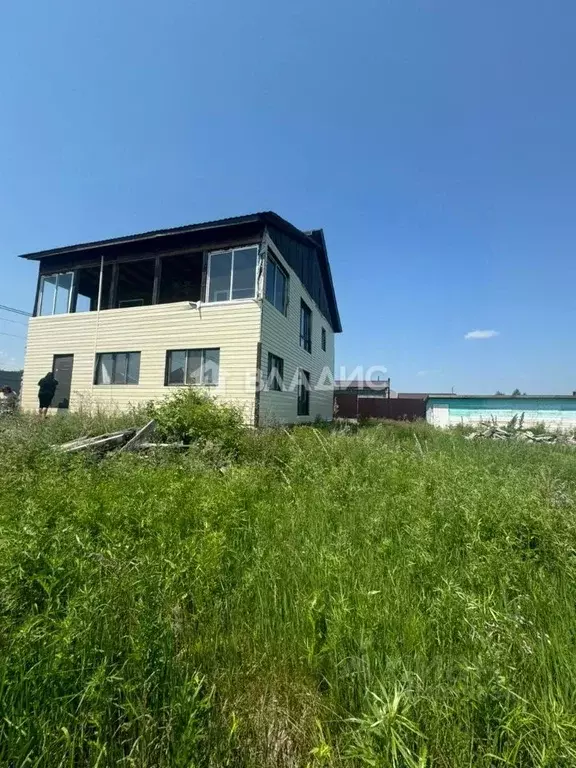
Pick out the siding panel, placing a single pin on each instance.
(281, 336)
(151, 330)
(555, 413)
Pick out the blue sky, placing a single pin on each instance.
(434, 140)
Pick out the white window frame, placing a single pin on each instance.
(41, 293)
(209, 276)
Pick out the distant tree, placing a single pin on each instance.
(500, 393)
(517, 393)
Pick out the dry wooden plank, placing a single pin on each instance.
(151, 446)
(71, 443)
(146, 430)
(102, 442)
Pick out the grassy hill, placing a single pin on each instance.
(393, 597)
(11, 379)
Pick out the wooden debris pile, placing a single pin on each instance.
(124, 441)
(514, 430)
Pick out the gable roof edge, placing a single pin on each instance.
(319, 245)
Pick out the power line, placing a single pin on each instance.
(14, 336)
(16, 322)
(17, 311)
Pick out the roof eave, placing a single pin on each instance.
(156, 234)
(277, 221)
(336, 320)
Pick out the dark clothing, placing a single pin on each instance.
(45, 401)
(46, 392)
(47, 386)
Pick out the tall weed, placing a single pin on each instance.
(394, 597)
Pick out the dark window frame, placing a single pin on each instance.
(83, 293)
(303, 395)
(272, 261)
(187, 352)
(305, 326)
(125, 293)
(115, 355)
(173, 291)
(275, 382)
(323, 339)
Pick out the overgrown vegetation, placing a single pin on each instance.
(192, 416)
(395, 597)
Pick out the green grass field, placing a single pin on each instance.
(392, 597)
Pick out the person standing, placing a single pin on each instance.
(47, 388)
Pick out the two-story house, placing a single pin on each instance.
(242, 306)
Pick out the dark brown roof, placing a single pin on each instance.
(362, 384)
(423, 395)
(153, 234)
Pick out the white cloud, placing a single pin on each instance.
(428, 372)
(481, 334)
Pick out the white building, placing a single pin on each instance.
(554, 411)
(217, 305)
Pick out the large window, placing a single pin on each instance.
(305, 326)
(275, 373)
(303, 393)
(129, 284)
(55, 295)
(117, 368)
(87, 281)
(135, 283)
(180, 278)
(276, 285)
(232, 275)
(193, 366)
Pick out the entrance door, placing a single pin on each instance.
(62, 370)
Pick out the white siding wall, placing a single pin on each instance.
(281, 337)
(152, 330)
(555, 413)
(439, 415)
